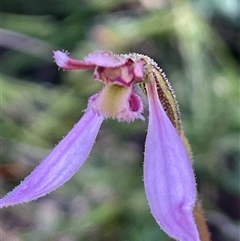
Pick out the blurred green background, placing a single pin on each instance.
(197, 43)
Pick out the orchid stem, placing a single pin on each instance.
(201, 222)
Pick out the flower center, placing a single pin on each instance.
(117, 99)
(120, 75)
(117, 102)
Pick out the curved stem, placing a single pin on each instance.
(201, 222)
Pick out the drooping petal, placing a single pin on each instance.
(60, 165)
(65, 62)
(168, 175)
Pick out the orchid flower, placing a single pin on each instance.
(168, 175)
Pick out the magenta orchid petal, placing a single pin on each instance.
(106, 59)
(65, 62)
(61, 164)
(138, 69)
(168, 175)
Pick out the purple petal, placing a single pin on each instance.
(106, 59)
(168, 175)
(60, 165)
(65, 62)
(139, 69)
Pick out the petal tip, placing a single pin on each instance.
(61, 58)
